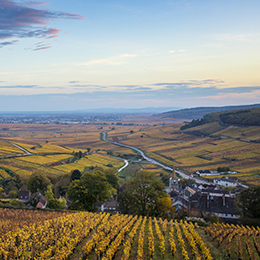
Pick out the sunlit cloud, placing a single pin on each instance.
(116, 60)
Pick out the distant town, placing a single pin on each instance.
(62, 118)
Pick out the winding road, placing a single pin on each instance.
(21, 148)
(182, 174)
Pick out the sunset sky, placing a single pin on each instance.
(77, 54)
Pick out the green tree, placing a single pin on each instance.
(13, 194)
(90, 188)
(111, 175)
(249, 202)
(63, 202)
(125, 201)
(164, 208)
(145, 192)
(75, 175)
(62, 186)
(2, 192)
(38, 182)
(49, 193)
(54, 204)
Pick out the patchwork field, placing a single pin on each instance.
(203, 147)
(233, 147)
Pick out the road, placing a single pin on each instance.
(126, 164)
(21, 148)
(182, 174)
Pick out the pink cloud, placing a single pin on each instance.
(42, 48)
(37, 3)
(18, 20)
(255, 94)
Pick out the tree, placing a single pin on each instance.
(88, 149)
(111, 175)
(49, 193)
(54, 204)
(75, 175)
(146, 194)
(13, 194)
(38, 182)
(249, 202)
(223, 169)
(164, 208)
(61, 187)
(2, 192)
(187, 182)
(90, 188)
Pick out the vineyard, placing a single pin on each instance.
(29, 234)
(86, 235)
(240, 242)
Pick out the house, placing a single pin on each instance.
(24, 196)
(109, 206)
(226, 181)
(217, 202)
(204, 172)
(39, 200)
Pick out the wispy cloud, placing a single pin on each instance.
(236, 37)
(23, 20)
(174, 51)
(74, 82)
(2, 44)
(116, 60)
(192, 83)
(36, 3)
(20, 86)
(41, 46)
(183, 97)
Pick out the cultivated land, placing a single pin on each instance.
(206, 146)
(214, 146)
(85, 235)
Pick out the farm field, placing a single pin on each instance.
(50, 145)
(85, 235)
(25, 166)
(8, 149)
(219, 146)
(98, 160)
(59, 138)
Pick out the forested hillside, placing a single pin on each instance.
(241, 117)
(199, 112)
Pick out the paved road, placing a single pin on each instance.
(21, 148)
(182, 174)
(126, 164)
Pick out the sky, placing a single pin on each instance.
(65, 55)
